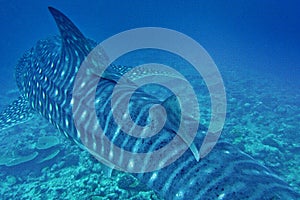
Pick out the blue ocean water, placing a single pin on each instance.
(255, 45)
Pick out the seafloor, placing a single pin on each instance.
(37, 162)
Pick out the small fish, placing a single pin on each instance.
(45, 77)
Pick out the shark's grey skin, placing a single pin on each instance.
(45, 76)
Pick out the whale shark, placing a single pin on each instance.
(45, 76)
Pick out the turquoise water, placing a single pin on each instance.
(254, 45)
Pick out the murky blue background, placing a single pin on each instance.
(261, 35)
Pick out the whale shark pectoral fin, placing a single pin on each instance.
(17, 112)
(107, 171)
(195, 151)
(173, 109)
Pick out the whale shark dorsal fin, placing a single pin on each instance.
(17, 112)
(70, 34)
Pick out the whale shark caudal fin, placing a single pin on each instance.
(17, 112)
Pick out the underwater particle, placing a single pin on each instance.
(47, 142)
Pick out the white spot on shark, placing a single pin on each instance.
(78, 134)
(179, 194)
(111, 155)
(67, 122)
(153, 177)
(83, 116)
(131, 164)
(72, 102)
(82, 84)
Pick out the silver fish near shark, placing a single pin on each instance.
(45, 77)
